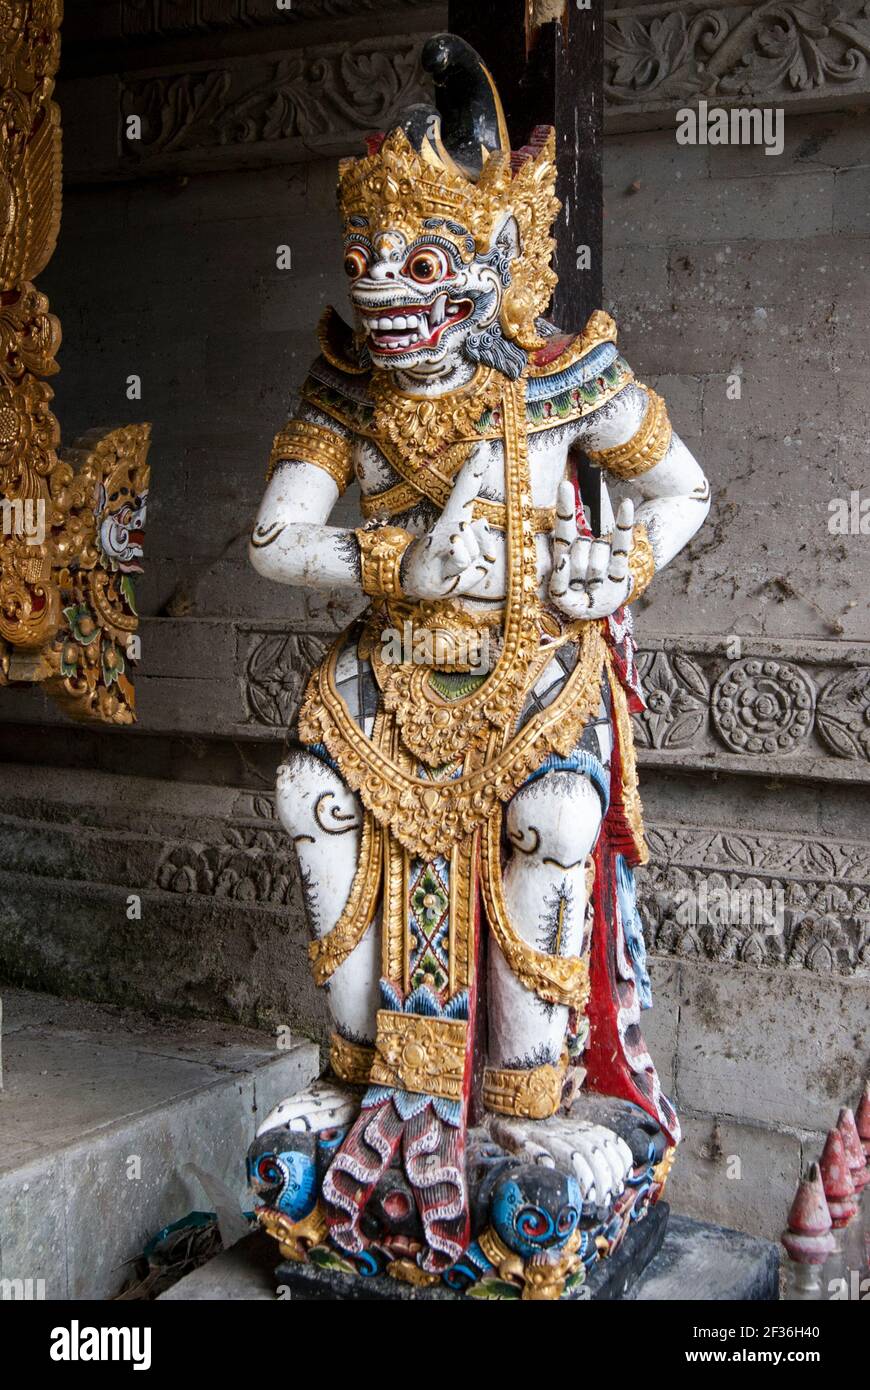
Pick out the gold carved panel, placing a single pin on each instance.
(71, 522)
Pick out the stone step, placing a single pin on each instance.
(101, 1111)
(697, 1263)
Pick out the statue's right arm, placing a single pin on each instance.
(291, 541)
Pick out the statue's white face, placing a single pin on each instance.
(418, 301)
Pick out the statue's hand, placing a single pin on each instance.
(458, 553)
(589, 578)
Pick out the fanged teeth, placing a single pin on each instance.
(401, 331)
(408, 330)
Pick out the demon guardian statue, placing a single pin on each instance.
(462, 796)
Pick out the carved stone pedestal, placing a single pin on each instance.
(611, 1279)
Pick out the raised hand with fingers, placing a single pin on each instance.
(590, 578)
(458, 552)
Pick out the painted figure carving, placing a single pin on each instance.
(71, 521)
(462, 796)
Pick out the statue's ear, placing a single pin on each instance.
(507, 238)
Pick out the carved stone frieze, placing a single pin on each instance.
(336, 93)
(658, 57)
(789, 707)
(732, 895)
(255, 877)
(300, 97)
(249, 861)
(158, 18)
(757, 899)
(301, 100)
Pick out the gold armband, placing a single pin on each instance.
(533, 1094)
(381, 552)
(641, 563)
(420, 1054)
(306, 442)
(647, 446)
(350, 1062)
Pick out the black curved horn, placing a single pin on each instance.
(420, 123)
(471, 113)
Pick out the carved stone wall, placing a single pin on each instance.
(723, 264)
(290, 82)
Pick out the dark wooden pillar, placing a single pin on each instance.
(551, 73)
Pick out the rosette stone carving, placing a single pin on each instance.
(763, 707)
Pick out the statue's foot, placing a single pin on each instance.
(323, 1105)
(597, 1157)
(295, 1145)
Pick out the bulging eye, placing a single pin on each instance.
(356, 262)
(426, 265)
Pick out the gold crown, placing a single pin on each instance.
(399, 189)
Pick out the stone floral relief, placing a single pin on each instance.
(734, 51)
(677, 695)
(276, 672)
(299, 94)
(763, 707)
(757, 706)
(843, 715)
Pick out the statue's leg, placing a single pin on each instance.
(324, 820)
(552, 825)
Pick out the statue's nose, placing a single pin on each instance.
(380, 271)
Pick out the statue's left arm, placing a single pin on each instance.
(632, 439)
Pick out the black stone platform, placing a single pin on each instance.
(710, 1264)
(609, 1279)
(697, 1263)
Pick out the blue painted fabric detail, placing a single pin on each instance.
(424, 1001)
(376, 1095)
(411, 1103)
(541, 387)
(449, 1111)
(633, 928)
(582, 761)
(390, 997)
